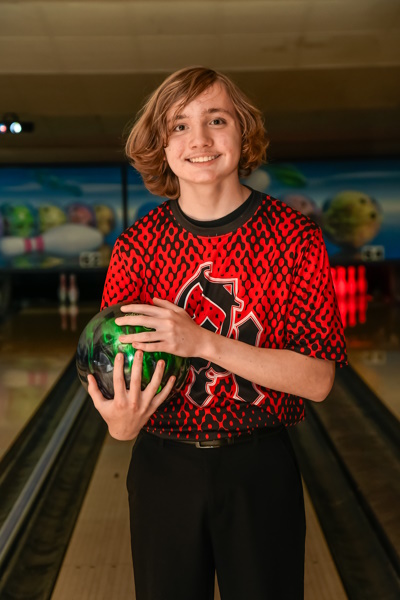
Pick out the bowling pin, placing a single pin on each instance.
(352, 310)
(73, 313)
(362, 305)
(66, 240)
(63, 310)
(362, 283)
(62, 288)
(351, 281)
(341, 286)
(73, 292)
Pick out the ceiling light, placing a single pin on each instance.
(10, 123)
(15, 127)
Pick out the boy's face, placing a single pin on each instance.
(204, 146)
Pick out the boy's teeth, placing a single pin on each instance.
(202, 159)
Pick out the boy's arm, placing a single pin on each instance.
(174, 331)
(282, 370)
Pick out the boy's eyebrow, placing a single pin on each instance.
(209, 111)
(216, 110)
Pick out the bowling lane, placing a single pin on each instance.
(374, 352)
(36, 345)
(98, 564)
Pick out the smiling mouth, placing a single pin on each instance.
(203, 159)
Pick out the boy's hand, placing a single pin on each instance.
(130, 409)
(173, 329)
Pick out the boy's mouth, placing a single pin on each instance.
(203, 159)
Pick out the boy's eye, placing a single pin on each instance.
(179, 127)
(218, 121)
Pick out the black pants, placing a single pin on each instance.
(237, 509)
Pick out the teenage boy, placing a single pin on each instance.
(239, 282)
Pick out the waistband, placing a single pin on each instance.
(223, 441)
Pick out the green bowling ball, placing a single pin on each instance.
(20, 220)
(99, 344)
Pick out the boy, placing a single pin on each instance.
(240, 283)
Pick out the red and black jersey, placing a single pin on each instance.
(260, 275)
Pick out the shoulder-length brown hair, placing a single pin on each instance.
(149, 135)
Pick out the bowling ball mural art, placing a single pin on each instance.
(50, 216)
(64, 241)
(19, 219)
(51, 219)
(99, 344)
(105, 218)
(304, 204)
(81, 213)
(351, 219)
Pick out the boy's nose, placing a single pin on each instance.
(200, 137)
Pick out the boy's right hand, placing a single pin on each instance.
(130, 409)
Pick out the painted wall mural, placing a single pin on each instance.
(55, 217)
(59, 217)
(355, 202)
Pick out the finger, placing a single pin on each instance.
(129, 307)
(141, 309)
(137, 320)
(165, 303)
(118, 376)
(152, 347)
(159, 398)
(155, 382)
(140, 338)
(136, 372)
(94, 392)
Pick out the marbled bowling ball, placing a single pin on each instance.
(351, 219)
(20, 220)
(99, 344)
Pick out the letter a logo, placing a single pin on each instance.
(216, 306)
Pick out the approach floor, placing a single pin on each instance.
(35, 347)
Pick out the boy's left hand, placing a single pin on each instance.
(174, 330)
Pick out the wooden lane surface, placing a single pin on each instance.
(97, 565)
(379, 368)
(35, 347)
(374, 352)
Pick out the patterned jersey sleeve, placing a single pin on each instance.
(313, 323)
(119, 285)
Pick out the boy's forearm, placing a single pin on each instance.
(281, 370)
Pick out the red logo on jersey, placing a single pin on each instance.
(214, 304)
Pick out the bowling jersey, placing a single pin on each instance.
(259, 275)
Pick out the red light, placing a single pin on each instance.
(351, 287)
(3, 128)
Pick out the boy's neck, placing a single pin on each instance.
(207, 203)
